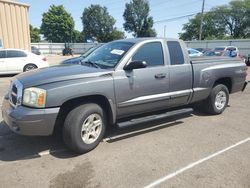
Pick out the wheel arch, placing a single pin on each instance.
(227, 81)
(107, 105)
(29, 64)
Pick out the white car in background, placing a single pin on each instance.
(13, 61)
(194, 53)
(220, 50)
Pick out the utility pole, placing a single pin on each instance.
(202, 15)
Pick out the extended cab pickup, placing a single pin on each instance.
(119, 80)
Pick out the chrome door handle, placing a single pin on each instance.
(160, 76)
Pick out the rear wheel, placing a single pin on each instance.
(217, 101)
(84, 127)
(29, 67)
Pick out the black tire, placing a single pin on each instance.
(209, 105)
(29, 67)
(72, 130)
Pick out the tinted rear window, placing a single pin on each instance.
(175, 52)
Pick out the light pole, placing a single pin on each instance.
(201, 24)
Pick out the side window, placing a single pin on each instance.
(22, 54)
(194, 52)
(152, 53)
(175, 52)
(2, 54)
(15, 53)
(1, 44)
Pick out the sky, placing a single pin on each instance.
(159, 10)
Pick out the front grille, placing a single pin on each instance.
(15, 93)
(14, 88)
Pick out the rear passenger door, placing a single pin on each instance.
(145, 89)
(16, 60)
(3, 67)
(180, 74)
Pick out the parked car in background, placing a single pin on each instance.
(14, 61)
(220, 50)
(203, 50)
(194, 53)
(200, 49)
(35, 50)
(77, 60)
(210, 53)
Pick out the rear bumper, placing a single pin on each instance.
(28, 121)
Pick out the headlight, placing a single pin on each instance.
(34, 97)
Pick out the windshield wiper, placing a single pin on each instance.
(91, 63)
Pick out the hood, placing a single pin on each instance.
(59, 73)
(74, 60)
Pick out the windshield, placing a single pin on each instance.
(108, 55)
(89, 51)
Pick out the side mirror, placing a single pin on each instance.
(135, 65)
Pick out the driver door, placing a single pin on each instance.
(146, 89)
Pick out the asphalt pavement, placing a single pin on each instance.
(195, 150)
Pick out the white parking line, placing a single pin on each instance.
(169, 176)
(48, 152)
(7, 163)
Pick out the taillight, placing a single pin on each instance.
(44, 59)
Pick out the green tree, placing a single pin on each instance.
(57, 24)
(99, 24)
(78, 36)
(34, 34)
(234, 18)
(211, 30)
(230, 21)
(116, 34)
(137, 19)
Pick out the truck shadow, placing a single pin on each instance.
(14, 147)
(198, 112)
(115, 134)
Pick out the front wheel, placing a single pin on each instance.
(217, 101)
(84, 127)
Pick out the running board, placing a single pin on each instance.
(184, 111)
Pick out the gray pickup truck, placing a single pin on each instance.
(119, 80)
